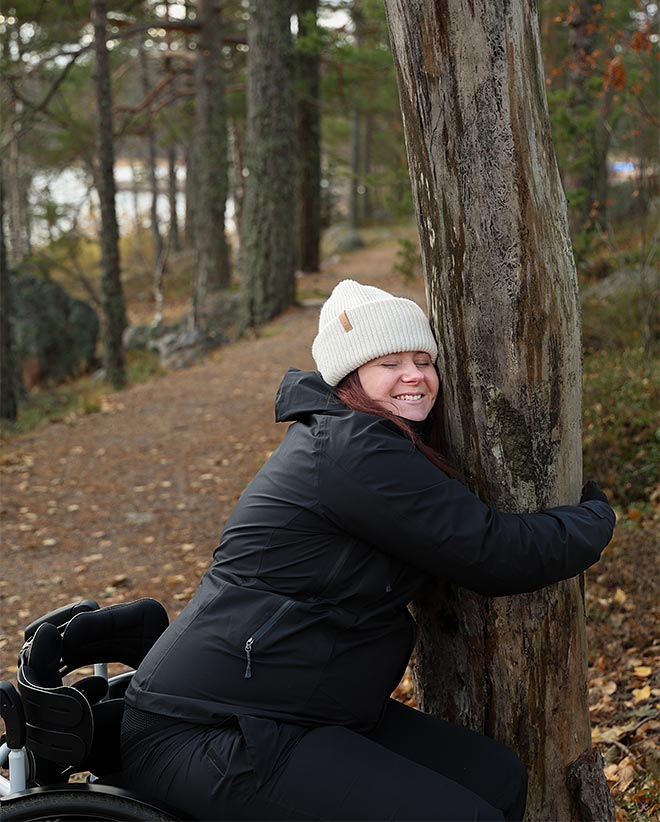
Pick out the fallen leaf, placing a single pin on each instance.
(641, 694)
(612, 734)
(620, 596)
(642, 671)
(620, 774)
(92, 558)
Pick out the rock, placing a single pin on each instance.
(55, 334)
(179, 345)
(341, 238)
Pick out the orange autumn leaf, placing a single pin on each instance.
(615, 74)
(640, 41)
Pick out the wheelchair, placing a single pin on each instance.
(61, 741)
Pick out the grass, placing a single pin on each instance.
(621, 427)
(76, 397)
(621, 385)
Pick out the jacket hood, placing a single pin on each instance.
(302, 393)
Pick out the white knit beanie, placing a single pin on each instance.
(359, 323)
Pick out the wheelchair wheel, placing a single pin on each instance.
(69, 805)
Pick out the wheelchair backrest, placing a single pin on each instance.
(63, 721)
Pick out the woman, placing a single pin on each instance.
(268, 697)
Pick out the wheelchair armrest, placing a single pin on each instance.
(95, 688)
(61, 615)
(11, 711)
(118, 684)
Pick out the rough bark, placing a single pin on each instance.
(267, 238)
(309, 142)
(503, 299)
(113, 298)
(8, 394)
(212, 270)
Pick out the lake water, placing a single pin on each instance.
(65, 198)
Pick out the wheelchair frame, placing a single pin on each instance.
(50, 729)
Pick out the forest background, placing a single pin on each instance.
(164, 136)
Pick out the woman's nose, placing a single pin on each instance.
(412, 374)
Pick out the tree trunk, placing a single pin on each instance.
(212, 271)
(267, 238)
(159, 248)
(113, 298)
(172, 193)
(354, 194)
(8, 398)
(503, 299)
(152, 160)
(588, 163)
(173, 237)
(309, 140)
(189, 216)
(17, 187)
(354, 201)
(237, 181)
(367, 203)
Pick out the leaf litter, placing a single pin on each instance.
(171, 457)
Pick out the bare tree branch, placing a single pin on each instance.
(150, 97)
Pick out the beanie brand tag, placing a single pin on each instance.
(345, 322)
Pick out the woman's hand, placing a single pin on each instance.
(591, 490)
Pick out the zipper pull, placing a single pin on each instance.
(248, 654)
(388, 588)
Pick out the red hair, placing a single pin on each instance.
(353, 395)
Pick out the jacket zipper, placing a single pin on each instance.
(259, 633)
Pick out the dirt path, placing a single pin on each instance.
(130, 501)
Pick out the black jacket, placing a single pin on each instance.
(302, 617)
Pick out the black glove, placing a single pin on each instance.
(591, 490)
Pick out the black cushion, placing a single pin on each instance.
(44, 656)
(121, 633)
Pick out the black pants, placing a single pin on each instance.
(411, 767)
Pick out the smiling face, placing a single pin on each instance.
(405, 384)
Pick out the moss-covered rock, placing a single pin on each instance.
(55, 334)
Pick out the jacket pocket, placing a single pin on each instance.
(220, 766)
(339, 563)
(263, 631)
